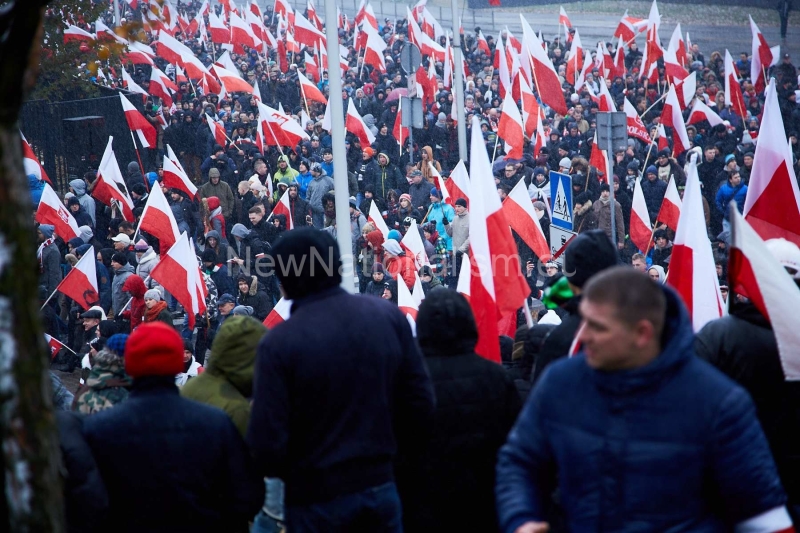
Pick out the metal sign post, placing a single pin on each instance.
(411, 115)
(612, 133)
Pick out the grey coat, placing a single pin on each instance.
(318, 187)
(51, 268)
(458, 229)
(87, 202)
(118, 296)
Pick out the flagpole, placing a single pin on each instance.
(494, 152)
(458, 84)
(49, 297)
(654, 104)
(305, 100)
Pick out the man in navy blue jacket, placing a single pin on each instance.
(337, 388)
(636, 432)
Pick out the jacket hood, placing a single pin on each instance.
(446, 325)
(134, 286)
(213, 234)
(126, 268)
(233, 353)
(369, 120)
(285, 158)
(149, 255)
(79, 186)
(677, 348)
(428, 150)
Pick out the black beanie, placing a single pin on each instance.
(120, 258)
(588, 254)
(209, 256)
(445, 324)
(307, 261)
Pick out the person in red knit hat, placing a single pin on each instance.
(158, 479)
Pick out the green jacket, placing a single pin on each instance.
(227, 381)
(106, 386)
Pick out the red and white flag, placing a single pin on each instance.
(760, 59)
(530, 107)
(753, 272)
(233, 82)
(641, 229)
(279, 128)
(109, 178)
(574, 60)
(700, 112)
(671, 116)
(399, 131)
(283, 207)
(733, 90)
(618, 70)
(242, 34)
(772, 206)
(312, 69)
(54, 345)
(136, 122)
(355, 125)
(373, 50)
(407, 304)
(599, 160)
(464, 278)
(458, 184)
(483, 44)
(31, 163)
(52, 211)
(563, 18)
(673, 65)
(305, 32)
(157, 218)
(547, 82)
(510, 128)
(670, 212)
(625, 29)
(220, 33)
(175, 176)
(162, 86)
(75, 34)
(131, 85)
(685, 89)
(541, 138)
(179, 274)
(691, 267)
(497, 287)
(518, 210)
(439, 181)
(636, 127)
(217, 130)
(412, 243)
(280, 313)
(606, 101)
(310, 91)
(80, 283)
(377, 219)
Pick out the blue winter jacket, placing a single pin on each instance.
(672, 446)
(726, 193)
(438, 212)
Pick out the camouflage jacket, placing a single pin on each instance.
(106, 386)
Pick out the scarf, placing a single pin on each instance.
(151, 314)
(605, 201)
(216, 212)
(40, 251)
(434, 237)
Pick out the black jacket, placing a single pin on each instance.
(743, 346)
(333, 393)
(158, 479)
(559, 341)
(85, 496)
(256, 298)
(477, 403)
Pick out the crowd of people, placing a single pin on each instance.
(336, 421)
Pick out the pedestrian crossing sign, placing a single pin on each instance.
(561, 200)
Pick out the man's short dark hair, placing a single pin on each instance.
(307, 261)
(255, 209)
(632, 294)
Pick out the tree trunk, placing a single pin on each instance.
(30, 456)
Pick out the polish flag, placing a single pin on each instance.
(458, 184)
(104, 33)
(674, 67)
(175, 176)
(75, 34)
(417, 292)
(52, 211)
(310, 91)
(504, 74)
(771, 206)
(170, 49)
(220, 33)
(136, 122)
(640, 229)
(366, 13)
(606, 101)
(605, 60)
(618, 71)
(671, 116)
(109, 178)
(139, 54)
(282, 8)
(376, 218)
(588, 65)
(80, 283)
(283, 129)
(670, 211)
(194, 25)
(700, 112)
(427, 46)
(625, 29)
(54, 344)
(546, 78)
(284, 208)
(373, 51)
(754, 272)
(483, 44)
(312, 15)
(399, 131)
(217, 131)
(574, 60)
(686, 89)
(355, 125)
(157, 218)
(178, 273)
(733, 90)
(312, 69)
(636, 127)
(412, 242)
(541, 138)
(161, 85)
(305, 32)
(279, 314)
(407, 304)
(599, 160)
(464, 278)
(761, 57)
(530, 107)
(131, 85)
(691, 268)
(497, 287)
(663, 140)
(518, 210)
(563, 18)
(510, 128)
(31, 163)
(242, 34)
(233, 82)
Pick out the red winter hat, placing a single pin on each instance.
(154, 349)
(213, 202)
